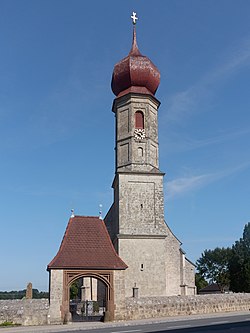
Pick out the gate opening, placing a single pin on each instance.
(88, 297)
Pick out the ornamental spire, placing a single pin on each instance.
(135, 73)
(134, 50)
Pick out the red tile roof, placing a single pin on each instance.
(86, 245)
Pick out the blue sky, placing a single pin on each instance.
(57, 128)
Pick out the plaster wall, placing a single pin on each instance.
(174, 268)
(140, 202)
(146, 265)
(135, 221)
(190, 278)
(119, 295)
(112, 223)
(136, 155)
(140, 236)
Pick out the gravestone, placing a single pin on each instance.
(29, 291)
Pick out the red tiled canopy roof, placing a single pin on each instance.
(86, 245)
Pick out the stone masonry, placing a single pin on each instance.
(135, 221)
(128, 155)
(35, 311)
(25, 312)
(155, 307)
(56, 296)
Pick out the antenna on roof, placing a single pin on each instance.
(72, 213)
(100, 211)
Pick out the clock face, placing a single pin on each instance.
(139, 134)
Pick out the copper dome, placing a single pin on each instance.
(135, 73)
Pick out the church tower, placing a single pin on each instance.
(138, 183)
(135, 221)
(146, 259)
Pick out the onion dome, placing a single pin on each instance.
(135, 73)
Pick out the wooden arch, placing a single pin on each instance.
(107, 277)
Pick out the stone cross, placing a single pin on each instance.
(29, 294)
(134, 18)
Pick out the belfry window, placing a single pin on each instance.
(139, 120)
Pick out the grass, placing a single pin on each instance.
(9, 324)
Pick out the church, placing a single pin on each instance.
(131, 252)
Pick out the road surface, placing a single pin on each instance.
(219, 323)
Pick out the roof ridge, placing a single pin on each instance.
(86, 216)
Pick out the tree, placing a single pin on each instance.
(75, 289)
(239, 264)
(200, 282)
(19, 294)
(213, 266)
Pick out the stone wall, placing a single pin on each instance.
(35, 311)
(153, 307)
(25, 312)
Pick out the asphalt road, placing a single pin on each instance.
(224, 323)
(236, 324)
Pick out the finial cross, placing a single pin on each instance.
(134, 18)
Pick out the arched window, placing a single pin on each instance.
(140, 152)
(139, 120)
